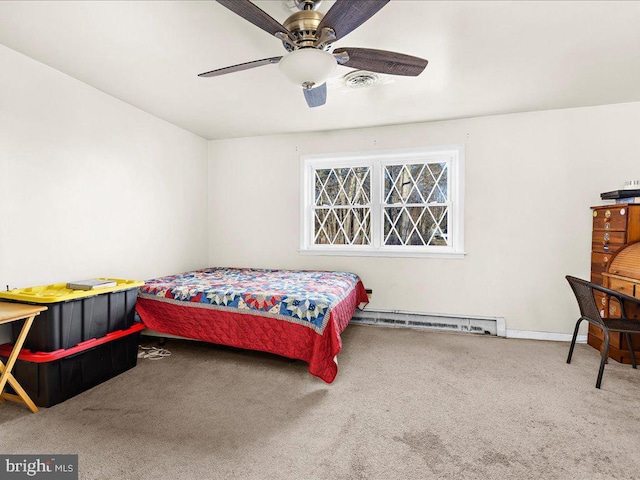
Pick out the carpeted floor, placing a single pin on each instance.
(406, 404)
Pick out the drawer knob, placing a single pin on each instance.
(607, 214)
(622, 211)
(607, 237)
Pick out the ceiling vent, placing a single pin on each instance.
(361, 79)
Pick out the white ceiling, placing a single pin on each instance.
(484, 58)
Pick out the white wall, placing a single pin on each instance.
(91, 186)
(530, 179)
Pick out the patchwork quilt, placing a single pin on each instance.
(295, 313)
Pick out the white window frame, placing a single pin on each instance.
(452, 154)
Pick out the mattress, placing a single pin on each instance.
(298, 314)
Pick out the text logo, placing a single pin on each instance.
(49, 467)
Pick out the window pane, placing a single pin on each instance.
(362, 234)
(338, 217)
(360, 227)
(343, 186)
(417, 236)
(363, 193)
(410, 188)
(391, 216)
(392, 182)
(321, 237)
(321, 197)
(414, 202)
(416, 226)
(417, 174)
(415, 183)
(437, 181)
(346, 192)
(350, 187)
(342, 226)
(404, 184)
(344, 221)
(439, 233)
(404, 227)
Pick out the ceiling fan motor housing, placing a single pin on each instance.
(303, 29)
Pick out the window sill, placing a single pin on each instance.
(381, 253)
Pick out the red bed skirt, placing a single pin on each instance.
(254, 332)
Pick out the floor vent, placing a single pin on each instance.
(477, 325)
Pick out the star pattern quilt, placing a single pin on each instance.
(294, 313)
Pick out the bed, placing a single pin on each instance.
(298, 314)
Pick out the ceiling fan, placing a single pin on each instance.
(308, 37)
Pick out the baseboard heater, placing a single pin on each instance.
(430, 321)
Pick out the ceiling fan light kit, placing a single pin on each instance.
(308, 36)
(308, 67)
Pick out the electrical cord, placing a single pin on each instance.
(153, 353)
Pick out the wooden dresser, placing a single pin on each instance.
(614, 265)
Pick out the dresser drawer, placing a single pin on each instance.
(621, 286)
(607, 241)
(610, 218)
(631, 289)
(600, 262)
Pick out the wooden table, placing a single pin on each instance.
(11, 312)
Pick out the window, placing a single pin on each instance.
(391, 203)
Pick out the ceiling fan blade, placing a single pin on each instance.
(346, 15)
(381, 61)
(316, 97)
(255, 15)
(240, 67)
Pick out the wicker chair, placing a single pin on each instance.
(583, 291)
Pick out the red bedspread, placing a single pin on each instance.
(275, 315)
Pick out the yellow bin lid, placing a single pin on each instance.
(58, 292)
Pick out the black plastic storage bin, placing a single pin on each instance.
(51, 378)
(76, 316)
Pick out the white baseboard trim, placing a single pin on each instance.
(501, 331)
(551, 336)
